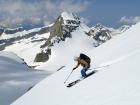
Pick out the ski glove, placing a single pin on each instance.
(74, 68)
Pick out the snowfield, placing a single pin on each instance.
(117, 84)
(16, 77)
(26, 49)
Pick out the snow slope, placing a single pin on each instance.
(27, 49)
(118, 84)
(15, 77)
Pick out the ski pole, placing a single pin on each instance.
(101, 66)
(68, 76)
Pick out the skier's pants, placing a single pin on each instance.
(83, 72)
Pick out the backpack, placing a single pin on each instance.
(85, 57)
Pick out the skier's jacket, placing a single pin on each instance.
(85, 58)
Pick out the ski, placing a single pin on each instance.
(73, 83)
(78, 80)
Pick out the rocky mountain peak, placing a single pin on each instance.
(102, 33)
(99, 26)
(124, 28)
(62, 28)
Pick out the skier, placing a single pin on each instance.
(84, 61)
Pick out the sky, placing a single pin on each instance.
(36, 13)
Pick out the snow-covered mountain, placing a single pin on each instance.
(117, 84)
(10, 36)
(7, 32)
(41, 40)
(102, 33)
(23, 43)
(10, 31)
(16, 77)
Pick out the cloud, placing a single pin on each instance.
(130, 20)
(71, 6)
(35, 12)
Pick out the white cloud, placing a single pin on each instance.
(13, 12)
(130, 20)
(55, 8)
(73, 7)
(85, 20)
